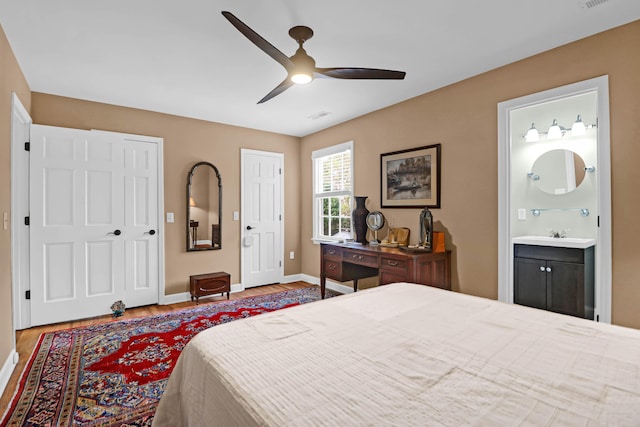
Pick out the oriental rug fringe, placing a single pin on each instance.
(113, 374)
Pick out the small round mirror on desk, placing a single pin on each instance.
(375, 221)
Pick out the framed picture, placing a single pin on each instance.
(410, 178)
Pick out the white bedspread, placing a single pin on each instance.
(404, 355)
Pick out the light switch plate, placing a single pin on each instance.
(236, 215)
(169, 216)
(522, 214)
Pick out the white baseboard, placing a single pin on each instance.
(186, 296)
(334, 286)
(7, 369)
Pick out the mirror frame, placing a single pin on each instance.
(188, 228)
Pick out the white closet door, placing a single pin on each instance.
(261, 218)
(76, 217)
(141, 222)
(94, 223)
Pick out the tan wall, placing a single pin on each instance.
(186, 142)
(11, 80)
(463, 118)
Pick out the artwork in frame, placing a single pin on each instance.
(410, 178)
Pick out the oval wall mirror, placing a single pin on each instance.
(204, 208)
(558, 171)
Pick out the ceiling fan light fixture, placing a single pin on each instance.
(301, 78)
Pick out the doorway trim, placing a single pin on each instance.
(243, 154)
(603, 261)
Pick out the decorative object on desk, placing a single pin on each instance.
(397, 237)
(438, 242)
(359, 218)
(118, 308)
(426, 228)
(375, 221)
(410, 178)
(114, 373)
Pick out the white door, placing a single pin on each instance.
(90, 206)
(262, 206)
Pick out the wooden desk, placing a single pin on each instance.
(352, 261)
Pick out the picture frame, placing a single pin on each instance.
(410, 178)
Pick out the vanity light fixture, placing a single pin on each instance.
(532, 134)
(555, 131)
(578, 127)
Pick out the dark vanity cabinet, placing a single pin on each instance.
(555, 278)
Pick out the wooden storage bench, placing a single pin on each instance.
(201, 285)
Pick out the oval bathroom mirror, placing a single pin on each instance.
(558, 171)
(204, 208)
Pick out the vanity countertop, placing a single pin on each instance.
(562, 242)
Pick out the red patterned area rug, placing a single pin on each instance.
(113, 374)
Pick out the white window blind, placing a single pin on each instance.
(333, 192)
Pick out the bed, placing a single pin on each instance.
(406, 354)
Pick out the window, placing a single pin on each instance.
(332, 192)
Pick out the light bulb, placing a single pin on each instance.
(554, 131)
(301, 78)
(578, 127)
(532, 134)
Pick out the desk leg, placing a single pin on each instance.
(355, 285)
(323, 283)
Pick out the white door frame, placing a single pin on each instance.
(20, 125)
(20, 209)
(243, 153)
(603, 261)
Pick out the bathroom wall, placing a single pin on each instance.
(525, 192)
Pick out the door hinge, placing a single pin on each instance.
(280, 171)
(27, 294)
(27, 221)
(280, 263)
(598, 220)
(280, 217)
(597, 317)
(27, 146)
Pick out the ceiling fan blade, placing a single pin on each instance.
(361, 73)
(286, 84)
(259, 41)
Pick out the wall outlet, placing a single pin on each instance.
(292, 255)
(170, 217)
(522, 214)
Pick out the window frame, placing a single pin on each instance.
(316, 196)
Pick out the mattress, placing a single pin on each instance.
(406, 354)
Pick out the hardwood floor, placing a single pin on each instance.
(27, 339)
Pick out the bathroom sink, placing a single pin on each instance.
(561, 242)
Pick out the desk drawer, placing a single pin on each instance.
(333, 269)
(360, 258)
(332, 252)
(394, 264)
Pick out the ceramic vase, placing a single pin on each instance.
(359, 218)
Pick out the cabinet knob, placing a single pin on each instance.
(392, 263)
(548, 269)
(541, 268)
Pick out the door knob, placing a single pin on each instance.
(541, 268)
(116, 232)
(250, 227)
(152, 232)
(548, 269)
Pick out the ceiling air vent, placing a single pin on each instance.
(319, 115)
(588, 4)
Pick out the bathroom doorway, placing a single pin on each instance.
(564, 130)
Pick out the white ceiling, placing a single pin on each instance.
(185, 58)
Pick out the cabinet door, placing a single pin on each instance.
(530, 284)
(565, 291)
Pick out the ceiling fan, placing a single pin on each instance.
(301, 68)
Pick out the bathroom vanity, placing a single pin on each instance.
(555, 274)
